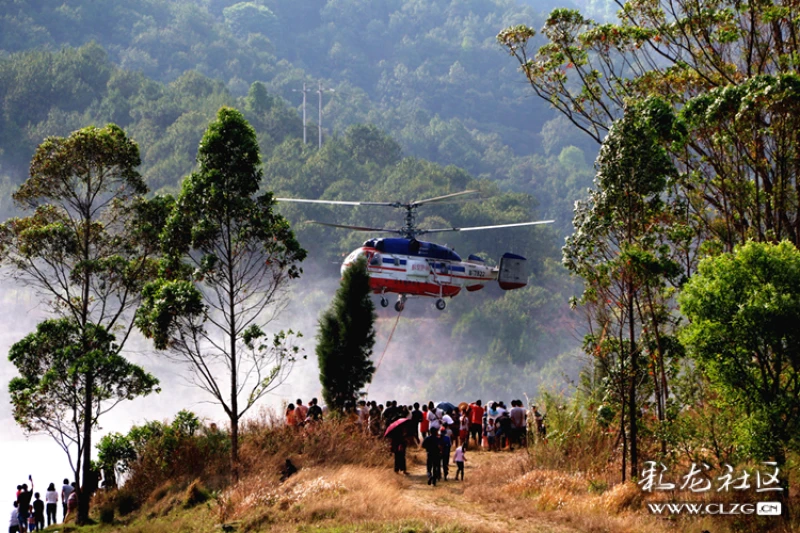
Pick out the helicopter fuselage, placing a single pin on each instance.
(409, 267)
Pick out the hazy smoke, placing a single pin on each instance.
(422, 362)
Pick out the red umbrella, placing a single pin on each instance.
(396, 424)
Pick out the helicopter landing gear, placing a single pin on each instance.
(400, 304)
(441, 304)
(384, 302)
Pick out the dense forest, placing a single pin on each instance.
(424, 102)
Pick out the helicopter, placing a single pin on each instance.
(410, 267)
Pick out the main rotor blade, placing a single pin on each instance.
(332, 202)
(356, 228)
(440, 198)
(477, 228)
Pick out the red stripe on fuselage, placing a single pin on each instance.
(415, 288)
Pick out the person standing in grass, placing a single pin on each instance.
(315, 413)
(424, 424)
(72, 502)
(463, 429)
(431, 446)
(374, 419)
(24, 499)
(291, 416)
(38, 512)
(445, 442)
(416, 417)
(519, 422)
(66, 490)
(399, 451)
(13, 525)
(51, 501)
(300, 411)
(476, 422)
(458, 459)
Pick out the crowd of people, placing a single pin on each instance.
(438, 429)
(30, 510)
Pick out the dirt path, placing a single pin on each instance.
(448, 498)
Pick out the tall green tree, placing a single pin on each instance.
(743, 310)
(732, 66)
(346, 337)
(56, 364)
(617, 251)
(230, 261)
(88, 247)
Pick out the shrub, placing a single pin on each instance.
(195, 494)
(107, 514)
(126, 503)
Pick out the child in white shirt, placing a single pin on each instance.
(458, 459)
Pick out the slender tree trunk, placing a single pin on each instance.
(659, 375)
(234, 416)
(622, 428)
(85, 490)
(632, 411)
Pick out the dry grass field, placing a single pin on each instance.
(345, 483)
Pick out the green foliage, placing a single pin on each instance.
(345, 339)
(57, 364)
(89, 246)
(245, 18)
(737, 149)
(368, 144)
(421, 76)
(618, 249)
(743, 309)
(229, 257)
(162, 302)
(115, 453)
(171, 453)
(428, 75)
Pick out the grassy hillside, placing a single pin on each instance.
(346, 484)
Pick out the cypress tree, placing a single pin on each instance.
(346, 337)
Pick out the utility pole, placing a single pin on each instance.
(319, 121)
(305, 127)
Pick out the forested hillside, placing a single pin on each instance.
(416, 86)
(430, 73)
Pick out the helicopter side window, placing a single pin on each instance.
(375, 260)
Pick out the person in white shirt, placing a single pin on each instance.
(434, 417)
(51, 504)
(13, 525)
(520, 417)
(458, 459)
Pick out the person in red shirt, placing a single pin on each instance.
(476, 422)
(424, 423)
(291, 416)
